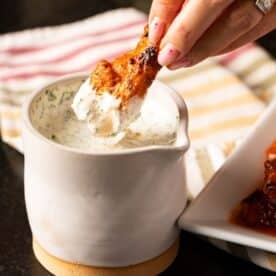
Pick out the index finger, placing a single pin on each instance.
(165, 10)
(161, 16)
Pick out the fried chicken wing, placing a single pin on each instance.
(128, 75)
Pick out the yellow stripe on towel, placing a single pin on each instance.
(232, 103)
(209, 87)
(11, 133)
(223, 126)
(171, 76)
(255, 65)
(205, 164)
(10, 115)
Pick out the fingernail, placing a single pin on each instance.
(156, 30)
(184, 62)
(168, 55)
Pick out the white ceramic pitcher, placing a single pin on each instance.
(104, 209)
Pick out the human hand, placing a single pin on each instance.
(192, 30)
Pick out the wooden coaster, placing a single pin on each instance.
(272, 260)
(149, 268)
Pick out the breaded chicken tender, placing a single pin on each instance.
(128, 75)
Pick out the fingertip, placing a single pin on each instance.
(168, 55)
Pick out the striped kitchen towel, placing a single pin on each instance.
(224, 95)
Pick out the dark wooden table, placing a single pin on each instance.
(196, 257)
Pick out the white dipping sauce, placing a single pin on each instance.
(102, 112)
(53, 117)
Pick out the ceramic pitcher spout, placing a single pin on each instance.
(182, 141)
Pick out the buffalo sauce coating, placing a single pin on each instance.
(128, 75)
(258, 210)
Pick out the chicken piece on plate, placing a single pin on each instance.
(270, 174)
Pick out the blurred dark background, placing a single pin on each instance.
(21, 14)
(18, 14)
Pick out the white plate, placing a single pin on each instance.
(238, 177)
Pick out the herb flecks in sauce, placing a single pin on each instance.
(42, 111)
(53, 117)
(66, 96)
(51, 96)
(68, 115)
